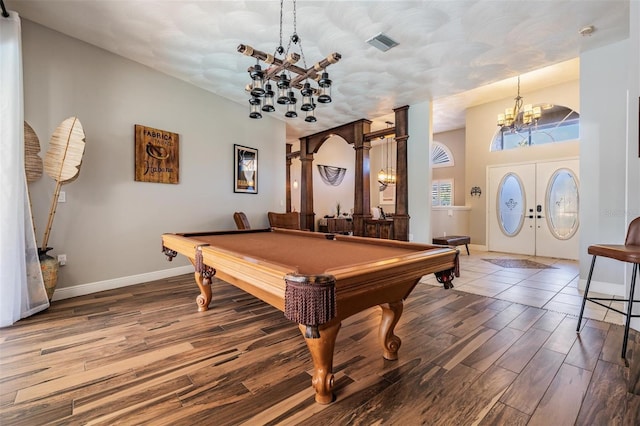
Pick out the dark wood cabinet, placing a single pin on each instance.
(379, 228)
(339, 225)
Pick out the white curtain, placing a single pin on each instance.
(22, 291)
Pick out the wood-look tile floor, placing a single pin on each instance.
(144, 355)
(554, 289)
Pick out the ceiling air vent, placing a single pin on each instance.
(382, 42)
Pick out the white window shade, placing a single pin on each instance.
(441, 156)
(442, 192)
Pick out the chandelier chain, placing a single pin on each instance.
(295, 34)
(286, 52)
(295, 19)
(281, 7)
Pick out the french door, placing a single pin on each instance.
(533, 209)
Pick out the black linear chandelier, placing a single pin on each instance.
(281, 67)
(518, 118)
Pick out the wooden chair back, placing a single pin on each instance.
(289, 220)
(241, 220)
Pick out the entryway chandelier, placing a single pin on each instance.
(280, 71)
(518, 118)
(387, 175)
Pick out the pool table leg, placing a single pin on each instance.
(203, 279)
(321, 350)
(391, 313)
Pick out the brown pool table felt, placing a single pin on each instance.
(309, 255)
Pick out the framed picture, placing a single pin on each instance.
(156, 155)
(388, 195)
(245, 169)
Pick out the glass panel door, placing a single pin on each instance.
(511, 204)
(562, 204)
(557, 230)
(511, 197)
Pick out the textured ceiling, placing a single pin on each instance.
(449, 50)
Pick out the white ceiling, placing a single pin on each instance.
(454, 52)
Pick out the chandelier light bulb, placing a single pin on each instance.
(324, 96)
(257, 77)
(291, 106)
(268, 99)
(311, 115)
(283, 87)
(254, 108)
(307, 99)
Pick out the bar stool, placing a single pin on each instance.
(630, 253)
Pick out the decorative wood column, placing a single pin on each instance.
(288, 178)
(307, 216)
(357, 133)
(362, 190)
(352, 133)
(401, 217)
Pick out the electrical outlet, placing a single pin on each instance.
(62, 259)
(62, 197)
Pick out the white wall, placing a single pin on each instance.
(451, 220)
(419, 171)
(378, 161)
(295, 173)
(337, 153)
(110, 226)
(633, 128)
(609, 162)
(603, 215)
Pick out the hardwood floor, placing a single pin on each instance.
(144, 355)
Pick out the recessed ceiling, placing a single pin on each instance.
(448, 50)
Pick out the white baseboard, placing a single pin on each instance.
(603, 287)
(89, 288)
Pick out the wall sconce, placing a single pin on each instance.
(295, 184)
(476, 191)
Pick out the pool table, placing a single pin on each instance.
(316, 279)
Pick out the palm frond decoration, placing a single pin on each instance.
(32, 161)
(63, 160)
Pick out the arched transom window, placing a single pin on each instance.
(557, 124)
(441, 156)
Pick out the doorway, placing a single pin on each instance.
(533, 209)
